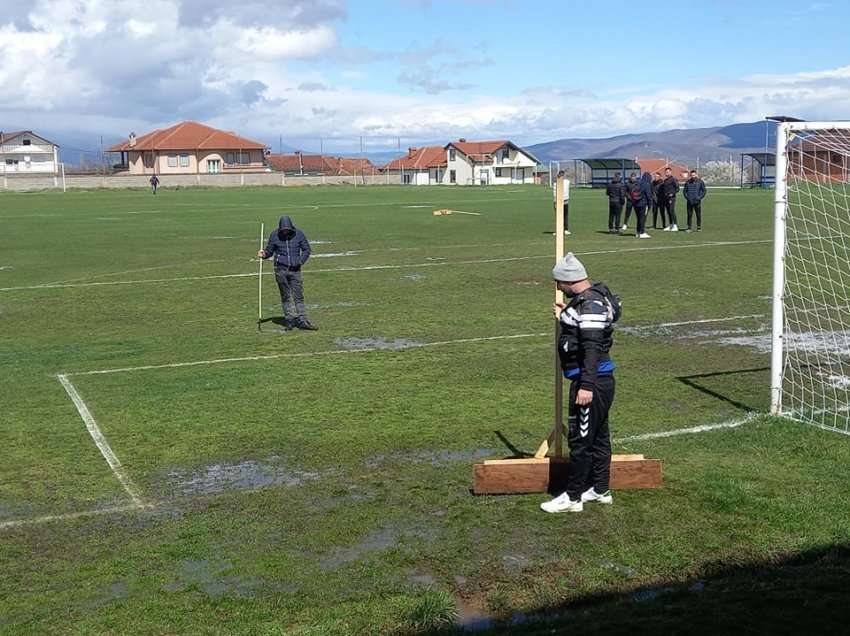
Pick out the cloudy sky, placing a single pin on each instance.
(418, 69)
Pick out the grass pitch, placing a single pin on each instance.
(318, 483)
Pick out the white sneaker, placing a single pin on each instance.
(674, 228)
(667, 229)
(592, 495)
(625, 227)
(567, 233)
(562, 503)
(644, 235)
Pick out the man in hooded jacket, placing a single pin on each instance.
(616, 193)
(290, 249)
(641, 200)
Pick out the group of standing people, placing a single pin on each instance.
(659, 196)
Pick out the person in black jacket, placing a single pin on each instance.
(669, 189)
(656, 203)
(290, 249)
(694, 192)
(586, 336)
(632, 186)
(641, 200)
(154, 181)
(616, 193)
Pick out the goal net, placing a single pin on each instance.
(811, 322)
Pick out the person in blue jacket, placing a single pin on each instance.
(290, 249)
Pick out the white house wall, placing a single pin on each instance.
(39, 157)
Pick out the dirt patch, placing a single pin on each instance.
(211, 578)
(396, 344)
(113, 592)
(245, 475)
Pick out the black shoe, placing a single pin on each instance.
(306, 325)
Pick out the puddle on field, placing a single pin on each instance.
(623, 570)
(397, 344)
(376, 541)
(336, 254)
(423, 580)
(245, 475)
(116, 591)
(210, 578)
(414, 276)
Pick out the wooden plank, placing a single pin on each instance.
(626, 458)
(532, 475)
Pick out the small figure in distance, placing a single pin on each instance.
(566, 200)
(616, 193)
(154, 183)
(669, 189)
(656, 202)
(632, 186)
(694, 191)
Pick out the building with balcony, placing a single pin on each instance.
(23, 152)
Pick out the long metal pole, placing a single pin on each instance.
(780, 206)
(260, 280)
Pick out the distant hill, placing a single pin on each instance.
(684, 145)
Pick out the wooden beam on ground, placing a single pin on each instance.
(536, 475)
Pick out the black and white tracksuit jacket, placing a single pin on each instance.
(587, 334)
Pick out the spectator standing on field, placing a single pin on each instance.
(616, 193)
(154, 183)
(290, 249)
(694, 191)
(632, 186)
(587, 334)
(566, 210)
(668, 190)
(641, 200)
(656, 203)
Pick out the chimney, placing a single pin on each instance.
(132, 140)
(462, 140)
(411, 151)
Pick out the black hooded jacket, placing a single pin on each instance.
(616, 191)
(288, 245)
(645, 188)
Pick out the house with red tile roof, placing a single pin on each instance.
(190, 148)
(466, 163)
(659, 165)
(24, 152)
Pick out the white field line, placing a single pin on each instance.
(690, 430)
(699, 322)
(15, 523)
(366, 268)
(306, 354)
(100, 440)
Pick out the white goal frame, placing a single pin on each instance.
(784, 134)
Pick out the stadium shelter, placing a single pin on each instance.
(602, 170)
(758, 169)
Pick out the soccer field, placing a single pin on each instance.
(168, 469)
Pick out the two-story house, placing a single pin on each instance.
(23, 152)
(466, 163)
(190, 148)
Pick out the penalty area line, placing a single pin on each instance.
(704, 428)
(100, 441)
(16, 523)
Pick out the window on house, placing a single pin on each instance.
(172, 161)
(244, 158)
(452, 176)
(11, 162)
(184, 161)
(230, 158)
(27, 142)
(407, 179)
(498, 172)
(506, 154)
(451, 154)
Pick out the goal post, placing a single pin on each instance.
(810, 348)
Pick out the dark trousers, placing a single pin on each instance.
(670, 208)
(656, 208)
(629, 207)
(640, 213)
(566, 215)
(291, 286)
(153, 188)
(615, 210)
(694, 206)
(589, 439)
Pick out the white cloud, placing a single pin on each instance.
(102, 66)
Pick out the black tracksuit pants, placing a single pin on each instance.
(566, 215)
(656, 208)
(640, 213)
(670, 208)
(589, 439)
(694, 207)
(615, 211)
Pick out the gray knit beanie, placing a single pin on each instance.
(569, 269)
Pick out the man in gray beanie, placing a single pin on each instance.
(586, 335)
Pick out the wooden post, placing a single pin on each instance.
(559, 298)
